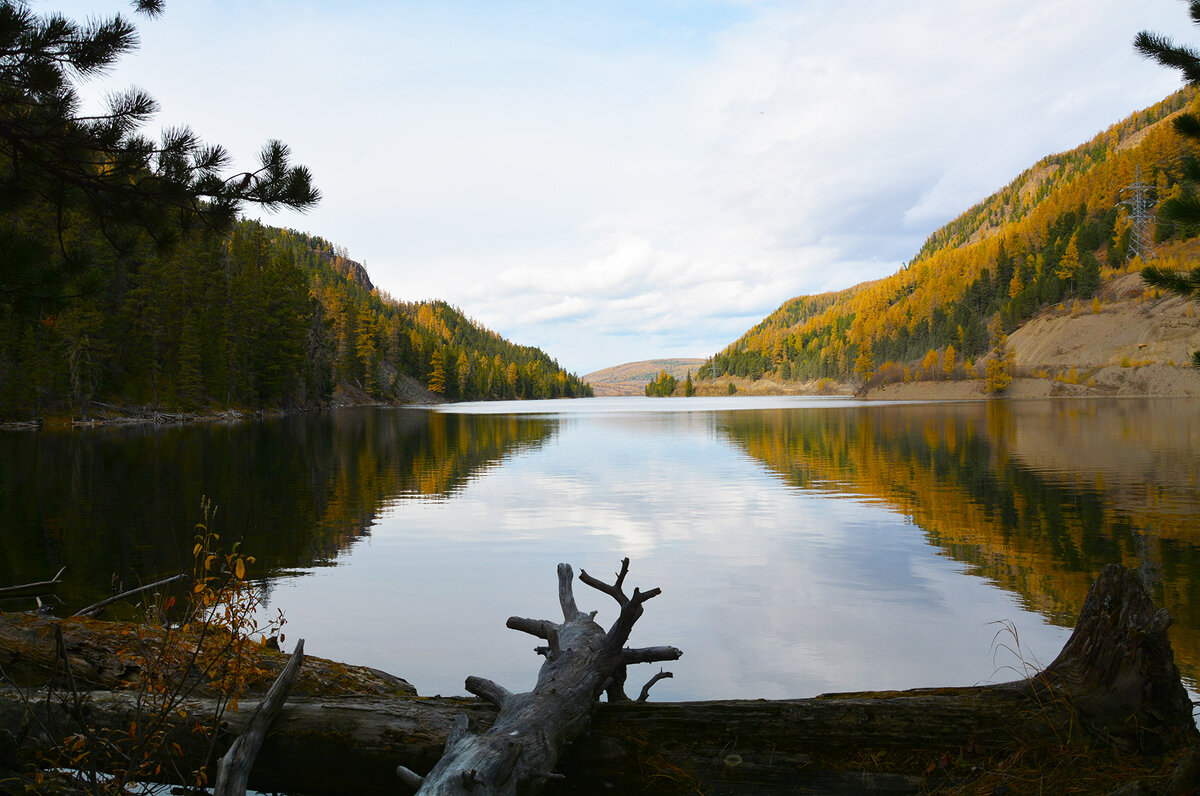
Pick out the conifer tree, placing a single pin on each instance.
(1187, 60)
(1181, 209)
(70, 171)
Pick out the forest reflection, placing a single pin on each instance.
(1035, 496)
(119, 505)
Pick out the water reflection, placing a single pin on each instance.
(802, 545)
(1035, 496)
(120, 504)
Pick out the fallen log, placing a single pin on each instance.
(104, 655)
(1113, 687)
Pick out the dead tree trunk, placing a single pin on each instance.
(520, 752)
(233, 769)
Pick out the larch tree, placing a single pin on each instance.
(437, 373)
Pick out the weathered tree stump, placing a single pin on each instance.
(520, 751)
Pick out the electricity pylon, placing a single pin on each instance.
(1139, 203)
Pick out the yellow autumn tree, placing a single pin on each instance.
(949, 361)
(929, 364)
(437, 373)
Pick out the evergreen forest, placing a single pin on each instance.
(258, 318)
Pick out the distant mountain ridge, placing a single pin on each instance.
(632, 377)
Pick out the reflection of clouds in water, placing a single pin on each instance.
(769, 590)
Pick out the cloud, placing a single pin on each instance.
(615, 182)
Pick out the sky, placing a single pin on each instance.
(617, 181)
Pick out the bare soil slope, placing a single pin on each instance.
(1132, 343)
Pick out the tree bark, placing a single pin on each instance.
(1114, 685)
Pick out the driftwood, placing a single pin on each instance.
(519, 752)
(32, 589)
(1113, 686)
(233, 769)
(94, 610)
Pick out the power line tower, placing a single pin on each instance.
(1139, 203)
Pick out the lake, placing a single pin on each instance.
(803, 545)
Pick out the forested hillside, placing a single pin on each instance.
(256, 318)
(1053, 235)
(127, 278)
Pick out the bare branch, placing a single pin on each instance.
(39, 587)
(642, 697)
(649, 655)
(566, 595)
(487, 689)
(93, 610)
(542, 628)
(618, 634)
(613, 590)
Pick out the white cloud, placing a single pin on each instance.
(617, 182)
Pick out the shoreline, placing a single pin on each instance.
(1111, 381)
(132, 415)
(1108, 381)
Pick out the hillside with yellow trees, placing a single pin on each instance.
(1057, 242)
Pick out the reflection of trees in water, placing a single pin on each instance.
(296, 490)
(1035, 496)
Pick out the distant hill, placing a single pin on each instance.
(1049, 252)
(632, 377)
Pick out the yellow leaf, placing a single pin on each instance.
(208, 562)
(199, 587)
(239, 569)
(196, 550)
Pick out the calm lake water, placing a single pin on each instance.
(802, 545)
